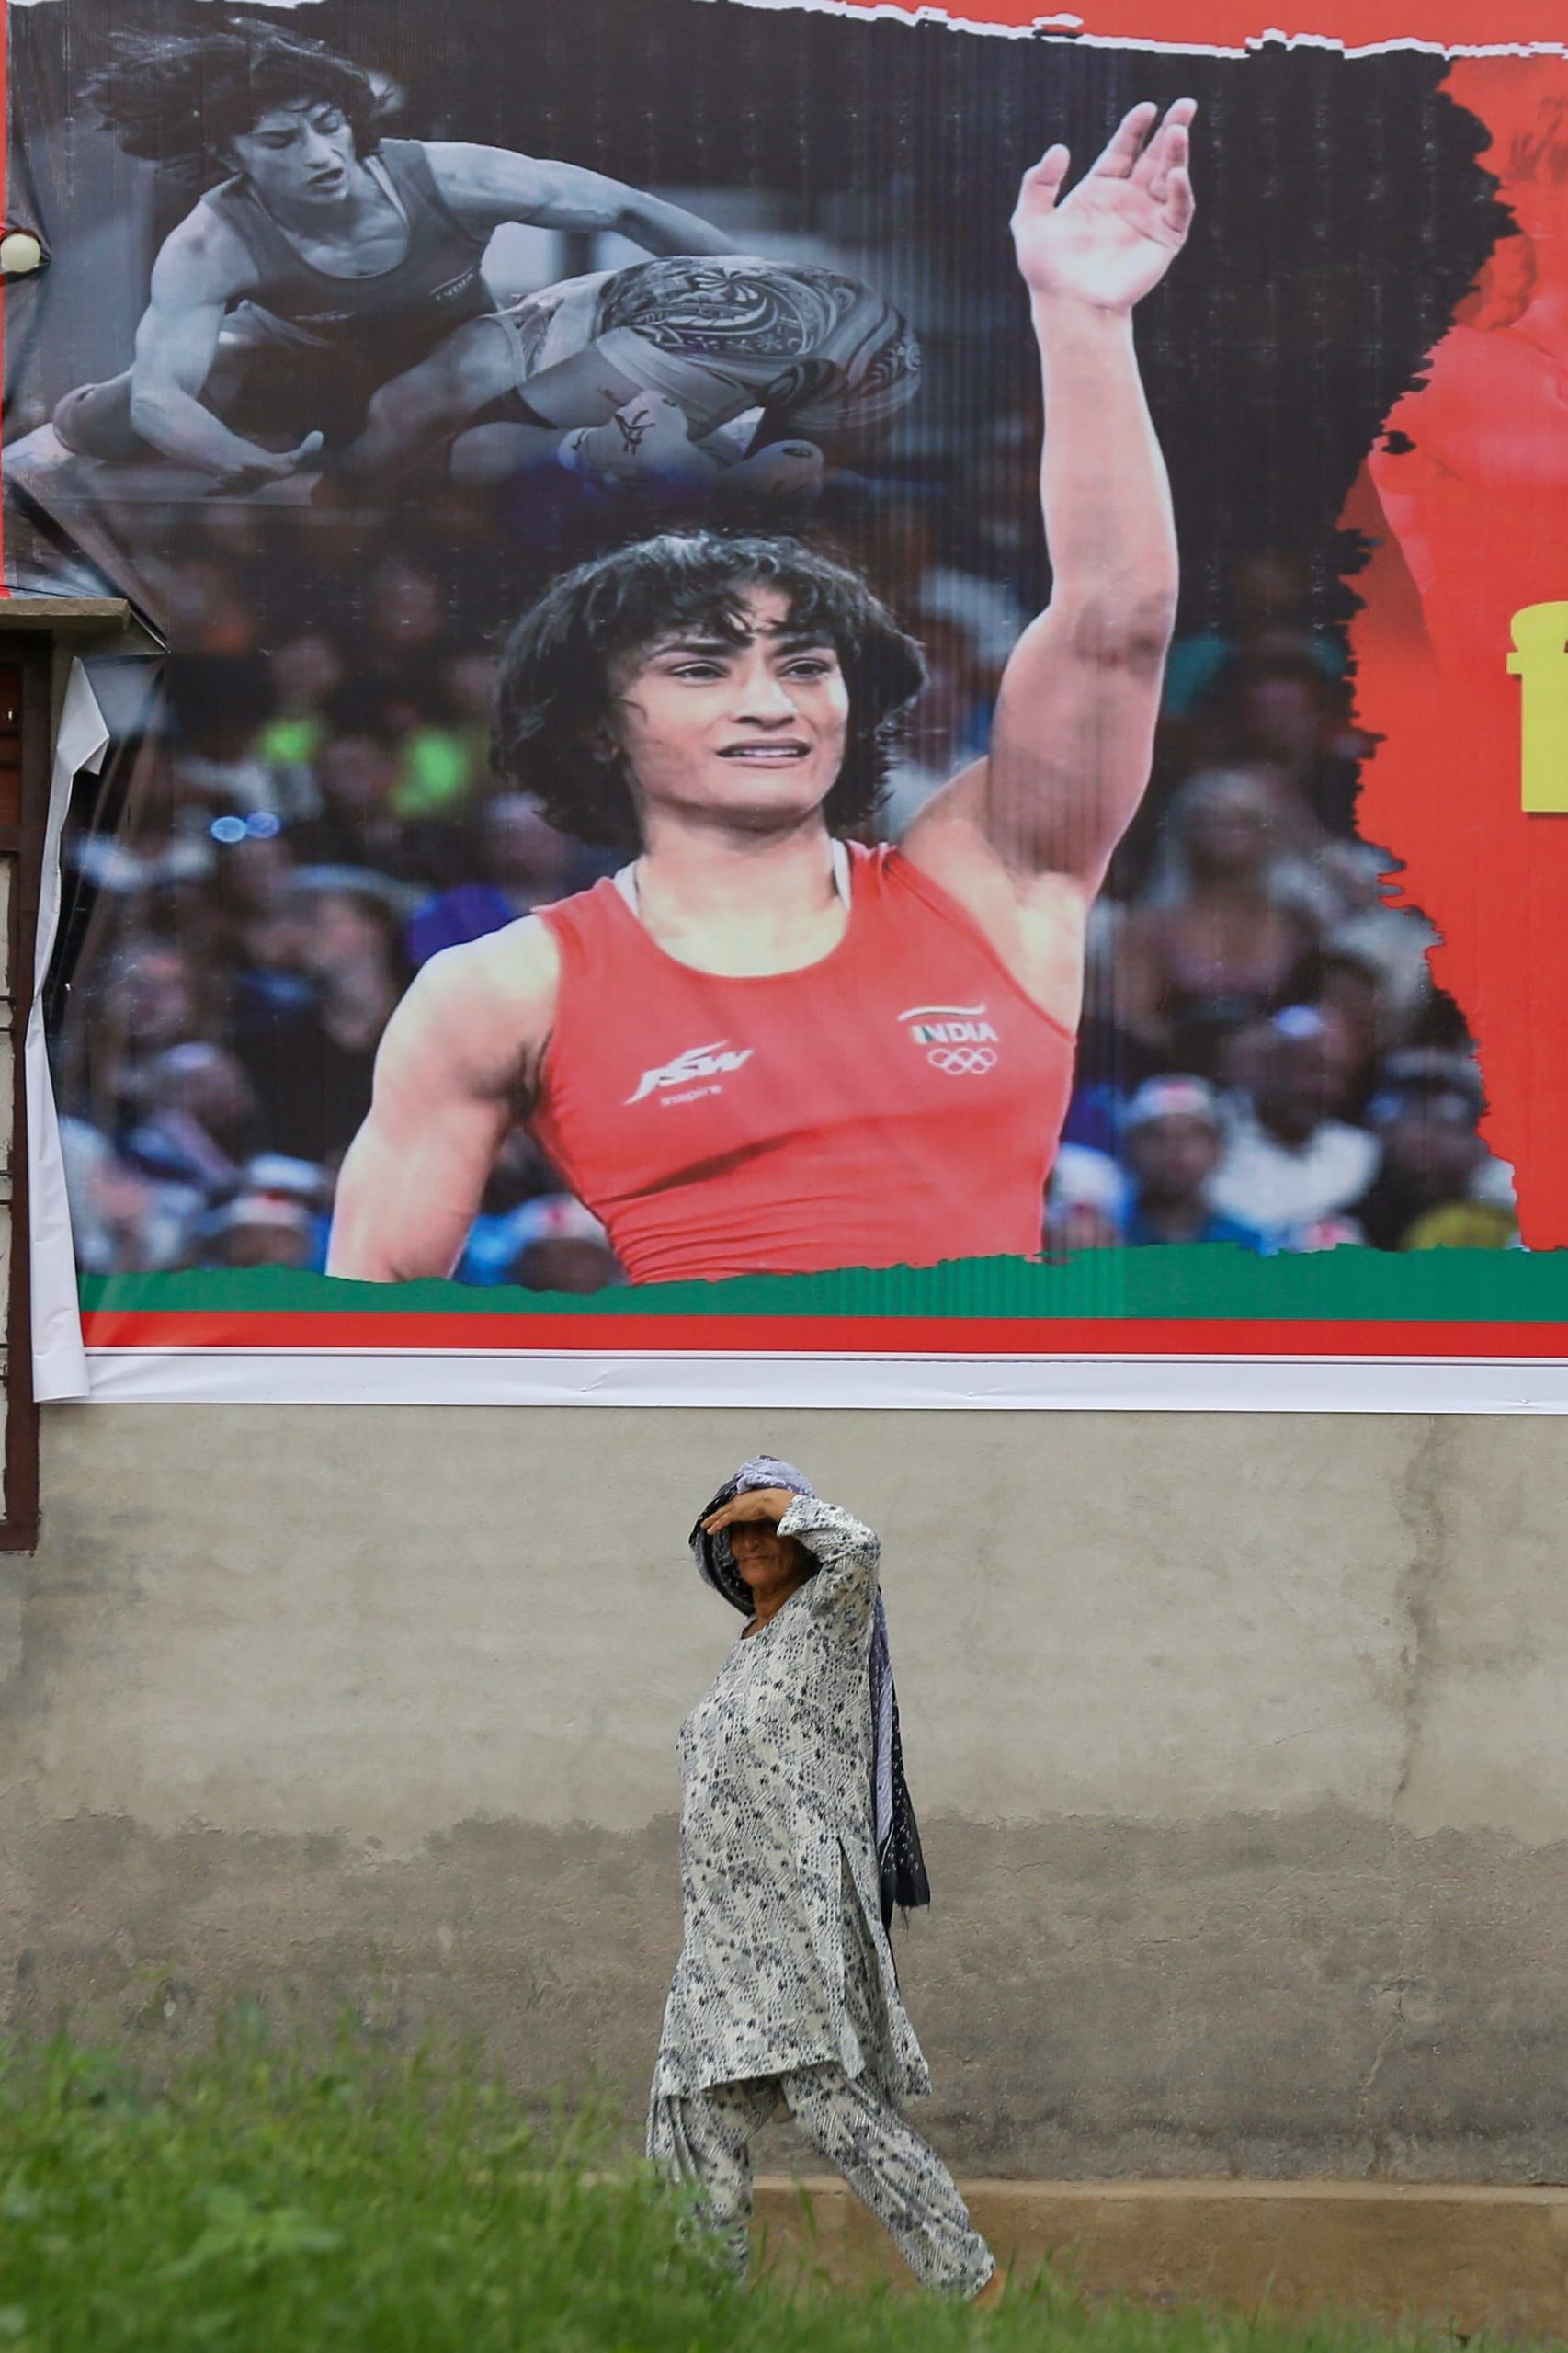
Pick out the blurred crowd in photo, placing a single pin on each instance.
(304, 813)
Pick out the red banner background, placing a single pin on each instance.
(1461, 24)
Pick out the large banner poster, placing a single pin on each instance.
(855, 709)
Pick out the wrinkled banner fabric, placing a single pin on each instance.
(857, 707)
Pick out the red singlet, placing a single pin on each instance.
(894, 1104)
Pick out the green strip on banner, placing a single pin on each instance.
(1206, 1280)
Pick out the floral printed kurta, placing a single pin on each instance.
(777, 1843)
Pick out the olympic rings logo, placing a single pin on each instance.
(962, 1062)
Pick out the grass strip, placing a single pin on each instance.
(286, 2199)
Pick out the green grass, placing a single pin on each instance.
(324, 2200)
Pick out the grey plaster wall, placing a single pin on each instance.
(1238, 1745)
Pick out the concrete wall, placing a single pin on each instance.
(1238, 1743)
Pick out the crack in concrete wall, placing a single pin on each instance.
(1423, 1510)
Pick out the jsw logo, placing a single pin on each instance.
(698, 1062)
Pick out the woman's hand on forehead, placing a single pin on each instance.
(756, 1503)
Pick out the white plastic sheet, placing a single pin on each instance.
(60, 1364)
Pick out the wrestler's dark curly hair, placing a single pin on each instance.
(553, 692)
(178, 97)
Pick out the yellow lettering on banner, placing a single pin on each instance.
(1540, 661)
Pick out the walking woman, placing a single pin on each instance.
(797, 1841)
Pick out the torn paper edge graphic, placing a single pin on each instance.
(1064, 26)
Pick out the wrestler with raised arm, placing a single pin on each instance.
(761, 1047)
(328, 262)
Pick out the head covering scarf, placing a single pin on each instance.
(900, 1866)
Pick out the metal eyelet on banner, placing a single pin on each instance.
(21, 253)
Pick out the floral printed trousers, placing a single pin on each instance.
(703, 2141)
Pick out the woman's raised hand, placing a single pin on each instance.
(1112, 240)
(756, 1503)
